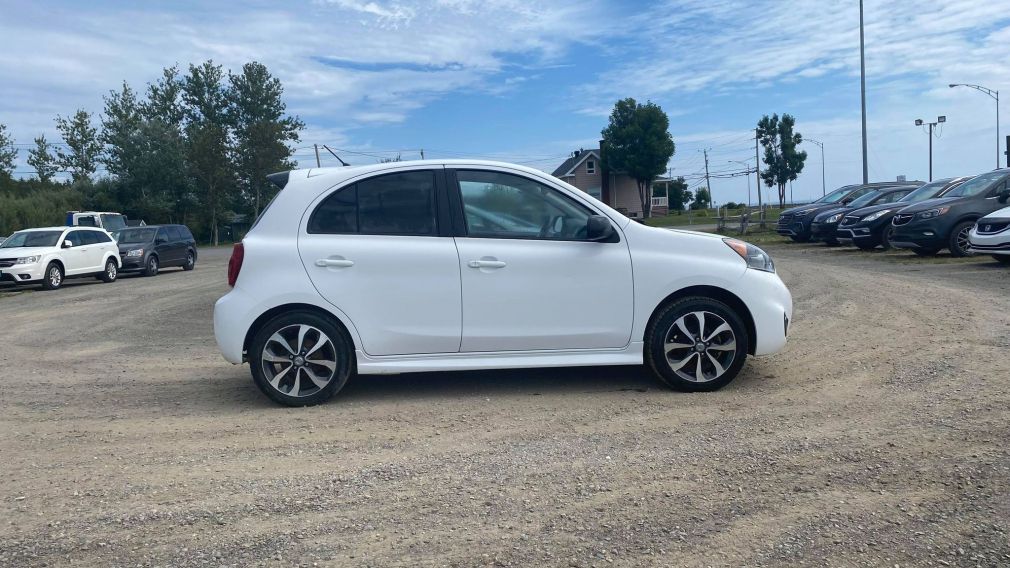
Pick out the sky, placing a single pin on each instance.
(529, 82)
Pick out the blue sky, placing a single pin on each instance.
(529, 82)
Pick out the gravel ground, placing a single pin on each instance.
(878, 437)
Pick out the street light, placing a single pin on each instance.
(920, 122)
(746, 167)
(824, 189)
(995, 95)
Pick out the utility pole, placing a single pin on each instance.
(862, 90)
(824, 189)
(939, 120)
(746, 174)
(708, 183)
(316, 146)
(757, 175)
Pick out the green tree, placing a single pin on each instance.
(637, 142)
(678, 196)
(164, 98)
(164, 114)
(702, 199)
(262, 131)
(83, 147)
(207, 146)
(8, 153)
(41, 158)
(121, 121)
(782, 160)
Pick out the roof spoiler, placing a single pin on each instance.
(280, 179)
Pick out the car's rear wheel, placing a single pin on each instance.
(959, 244)
(190, 261)
(53, 277)
(111, 271)
(151, 268)
(300, 359)
(1002, 258)
(696, 344)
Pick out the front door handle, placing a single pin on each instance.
(334, 262)
(486, 264)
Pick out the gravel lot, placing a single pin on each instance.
(879, 437)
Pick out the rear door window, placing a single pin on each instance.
(175, 234)
(391, 204)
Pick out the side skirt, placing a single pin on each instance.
(390, 365)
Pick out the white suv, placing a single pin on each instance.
(51, 255)
(437, 266)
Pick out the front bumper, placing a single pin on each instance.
(823, 231)
(771, 308)
(997, 243)
(23, 273)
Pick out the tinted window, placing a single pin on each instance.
(81, 238)
(508, 206)
(975, 185)
(175, 234)
(87, 221)
(394, 204)
(134, 236)
(186, 235)
(102, 237)
(113, 222)
(163, 233)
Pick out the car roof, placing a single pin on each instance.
(60, 228)
(353, 171)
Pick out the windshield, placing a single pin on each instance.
(928, 191)
(976, 185)
(113, 222)
(865, 199)
(836, 195)
(33, 239)
(134, 236)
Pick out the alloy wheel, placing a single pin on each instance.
(700, 346)
(962, 242)
(110, 270)
(299, 360)
(55, 277)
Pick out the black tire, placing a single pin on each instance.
(665, 327)
(1001, 258)
(925, 252)
(801, 238)
(151, 268)
(111, 271)
(886, 236)
(287, 326)
(958, 240)
(190, 262)
(53, 277)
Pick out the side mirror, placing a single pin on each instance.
(599, 229)
(67, 243)
(1004, 196)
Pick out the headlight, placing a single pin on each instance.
(876, 215)
(28, 259)
(933, 213)
(834, 218)
(136, 252)
(753, 256)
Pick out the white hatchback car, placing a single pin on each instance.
(50, 255)
(453, 265)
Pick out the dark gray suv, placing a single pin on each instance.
(148, 249)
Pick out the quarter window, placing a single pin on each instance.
(499, 205)
(392, 204)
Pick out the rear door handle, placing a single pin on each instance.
(486, 264)
(334, 262)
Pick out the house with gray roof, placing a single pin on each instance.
(583, 170)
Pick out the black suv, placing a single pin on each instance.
(825, 224)
(147, 249)
(871, 226)
(795, 223)
(945, 222)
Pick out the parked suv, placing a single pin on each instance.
(824, 227)
(931, 225)
(868, 227)
(795, 223)
(991, 234)
(149, 249)
(51, 255)
(435, 266)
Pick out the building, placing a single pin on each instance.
(618, 190)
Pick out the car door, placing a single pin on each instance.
(379, 249)
(163, 247)
(530, 279)
(77, 259)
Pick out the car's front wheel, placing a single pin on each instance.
(111, 271)
(151, 268)
(886, 236)
(696, 344)
(300, 359)
(53, 278)
(959, 244)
